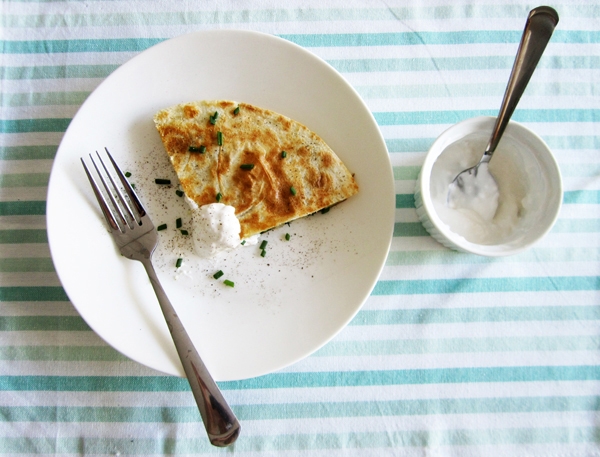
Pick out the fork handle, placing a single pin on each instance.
(221, 424)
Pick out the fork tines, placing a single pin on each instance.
(119, 203)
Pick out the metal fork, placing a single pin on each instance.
(137, 238)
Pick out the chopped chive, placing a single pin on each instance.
(161, 227)
(236, 111)
(179, 193)
(263, 245)
(243, 242)
(213, 118)
(201, 149)
(283, 154)
(184, 232)
(179, 262)
(287, 237)
(229, 283)
(218, 197)
(128, 174)
(218, 274)
(178, 223)
(247, 166)
(162, 181)
(325, 210)
(263, 253)
(132, 186)
(293, 190)
(220, 138)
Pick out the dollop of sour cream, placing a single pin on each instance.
(475, 190)
(498, 211)
(216, 229)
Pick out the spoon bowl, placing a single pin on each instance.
(472, 184)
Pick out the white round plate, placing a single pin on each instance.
(284, 306)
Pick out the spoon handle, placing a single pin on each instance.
(538, 30)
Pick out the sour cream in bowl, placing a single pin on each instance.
(505, 220)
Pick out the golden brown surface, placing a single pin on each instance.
(262, 196)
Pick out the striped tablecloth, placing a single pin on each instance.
(453, 354)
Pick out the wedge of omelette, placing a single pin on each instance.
(270, 168)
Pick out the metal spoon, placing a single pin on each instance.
(536, 35)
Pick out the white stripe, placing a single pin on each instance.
(25, 249)
(29, 279)
(25, 166)
(435, 331)
(482, 300)
(338, 364)
(41, 112)
(270, 429)
(23, 193)
(311, 394)
(441, 361)
(44, 338)
(31, 139)
(491, 270)
(51, 85)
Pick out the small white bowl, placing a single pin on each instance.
(527, 175)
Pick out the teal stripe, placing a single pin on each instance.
(475, 89)
(406, 173)
(470, 63)
(409, 144)
(419, 376)
(573, 142)
(397, 408)
(295, 442)
(409, 229)
(23, 236)
(576, 226)
(307, 379)
(402, 229)
(449, 257)
(26, 265)
(43, 98)
(433, 38)
(476, 285)
(42, 323)
(403, 38)
(44, 152)
(23, 208)
(554, 142)
(57, 72)
(457, 345)
(451, 117)
(587, 170)
(428, 316)
(33, 125)
(61, 353)
(24, 180)
(569, 197)
(305, 40)
(41, 293)
(588, 197)
(71, 46)
(405, 201)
